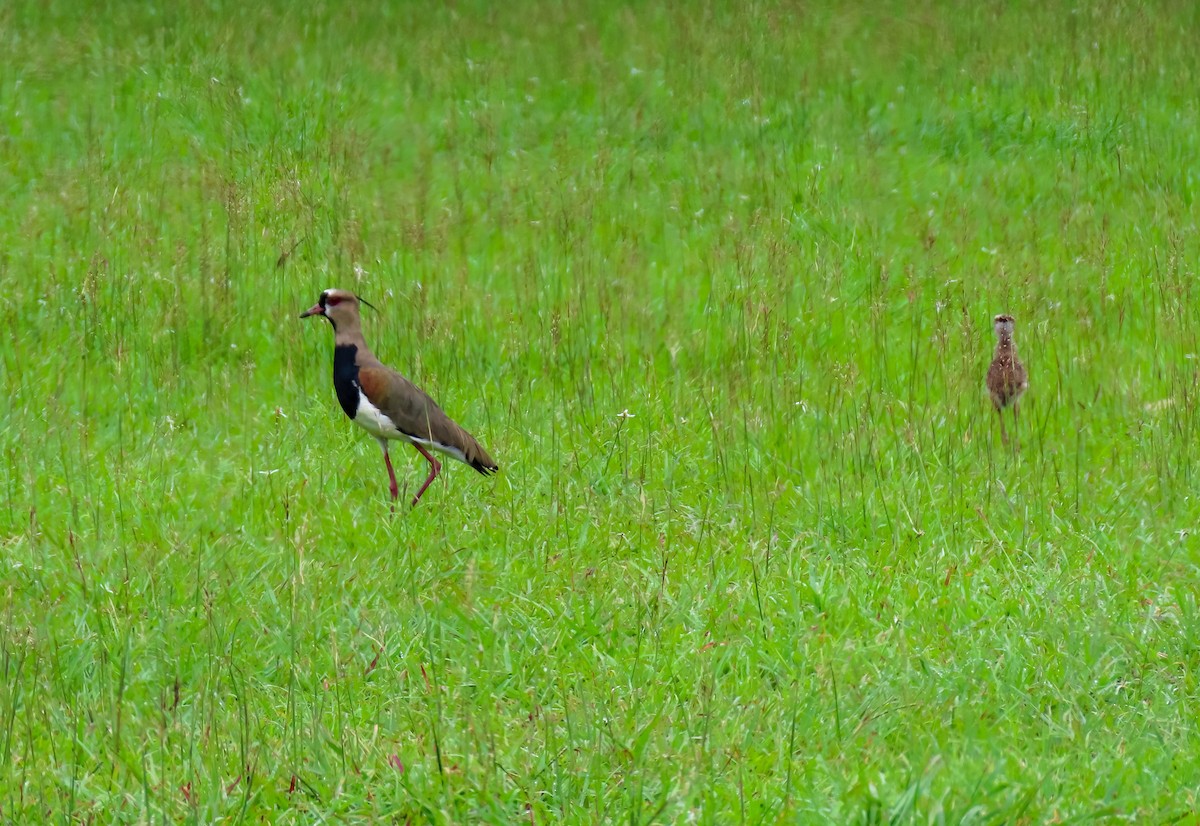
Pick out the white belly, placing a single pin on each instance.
(373, 420)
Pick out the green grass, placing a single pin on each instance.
(713, 283)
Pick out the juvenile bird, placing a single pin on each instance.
(1006, 377)
(384, 403)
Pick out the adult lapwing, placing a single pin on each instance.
(384, 403)
(1006, 376)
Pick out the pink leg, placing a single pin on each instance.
(435, 466)
(392, 486)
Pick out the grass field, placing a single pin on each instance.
(713, 283)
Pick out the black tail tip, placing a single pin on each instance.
(486, 470)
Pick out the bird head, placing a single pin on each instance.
(339, 306)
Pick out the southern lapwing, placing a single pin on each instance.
(1006, 377)
(384, 403)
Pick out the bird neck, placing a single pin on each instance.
(1006, 346)
(352, 339)
(348, 331)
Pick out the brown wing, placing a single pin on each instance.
(1006, 379)
(415, 414)
(1021, 376)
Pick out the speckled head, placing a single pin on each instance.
(1003, 325)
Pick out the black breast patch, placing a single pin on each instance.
(345, 378)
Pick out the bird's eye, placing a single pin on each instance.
(333, 301)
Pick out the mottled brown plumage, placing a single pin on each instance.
(385, 403)
(1006, 376)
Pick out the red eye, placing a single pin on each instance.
(333, 301)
